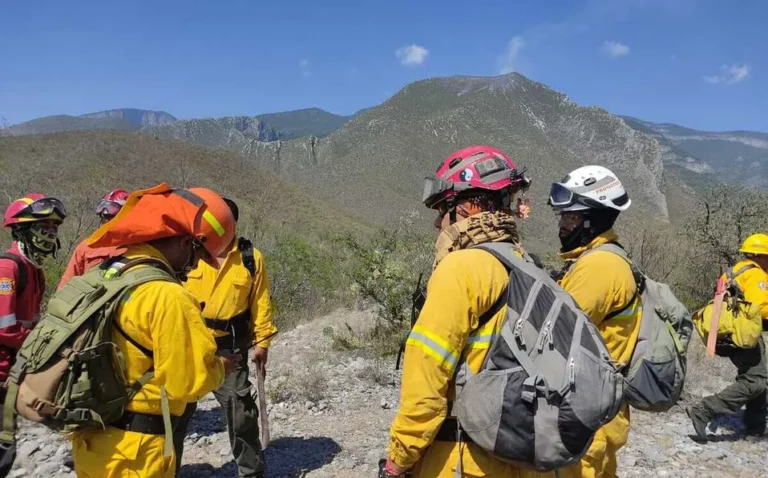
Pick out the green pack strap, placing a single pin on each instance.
(138, 384)
(675, 337)
(9, 412)
(166, 409)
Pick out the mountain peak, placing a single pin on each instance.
(135, 116)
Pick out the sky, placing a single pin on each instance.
(698, 63)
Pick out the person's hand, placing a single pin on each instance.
(259, 357)
(230, 361)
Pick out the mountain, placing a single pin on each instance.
(307, 122)
(126, 119)
(735, 156)
(233, 132)
(138, 118)
(373, 166)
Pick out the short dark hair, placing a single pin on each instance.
(233, 207)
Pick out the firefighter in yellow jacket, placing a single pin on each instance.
(750, 387)
(472, 193)
(238, 312)
(588, 202)
(178, 227)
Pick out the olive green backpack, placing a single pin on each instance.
(69, 375)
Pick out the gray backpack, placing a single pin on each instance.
(547, 383)
(656, 372)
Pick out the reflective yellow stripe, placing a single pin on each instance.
(629, 312)
(480, 341)
(215, 224)
(434, 347)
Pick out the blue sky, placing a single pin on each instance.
(703, 64)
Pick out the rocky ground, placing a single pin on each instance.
(330, 412)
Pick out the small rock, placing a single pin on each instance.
(48, 468)
(322, 406)
(224, 452)
(18, 473)
(384, 404)
(373, 456)
(27, 449)
(630, 462)
(308, 405)
(357, 365)
(713, 454)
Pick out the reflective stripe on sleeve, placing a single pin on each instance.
(7, 321)
(434, 347)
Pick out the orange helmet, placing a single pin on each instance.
(162, 212)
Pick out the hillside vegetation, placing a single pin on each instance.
(294, 229)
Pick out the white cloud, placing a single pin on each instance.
(729, 74)
(412, 55)
(304, 68)
(615, 49)
(508, 61)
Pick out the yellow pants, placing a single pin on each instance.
(441, 458)
(114, 453)
(600, 460)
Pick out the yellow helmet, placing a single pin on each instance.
(755, 244)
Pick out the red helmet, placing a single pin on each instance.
(475, 167)
(112, 202)
(34, 207)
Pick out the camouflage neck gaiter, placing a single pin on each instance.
(478, 229)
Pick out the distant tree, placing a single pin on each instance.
(726, 215)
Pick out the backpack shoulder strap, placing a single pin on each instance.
(22, 271)
(733, 274)
(637, 274)
(246, 249)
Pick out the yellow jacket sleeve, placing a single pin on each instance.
(754, 283)
(185, 358)
(602, 283)
(262, 313)
(463, 286)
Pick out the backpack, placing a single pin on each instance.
(69, 375)
(740, 324)
(547, 383)
(656, 371)
(246, 250)
(22, 283)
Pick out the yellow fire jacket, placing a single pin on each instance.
(754, 284)
(165, 318)
(231, 290)
(462, 288)
(603, 286)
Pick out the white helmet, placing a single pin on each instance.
(589, 187)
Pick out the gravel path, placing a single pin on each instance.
(330, 413)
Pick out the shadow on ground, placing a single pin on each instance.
(288, 457)
(207, 422)
(204, 470)
(295, 456)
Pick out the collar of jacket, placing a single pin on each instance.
(604, 238)
(478, 229)
(137, 251)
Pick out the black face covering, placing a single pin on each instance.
(188, 266)
(595, 223)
